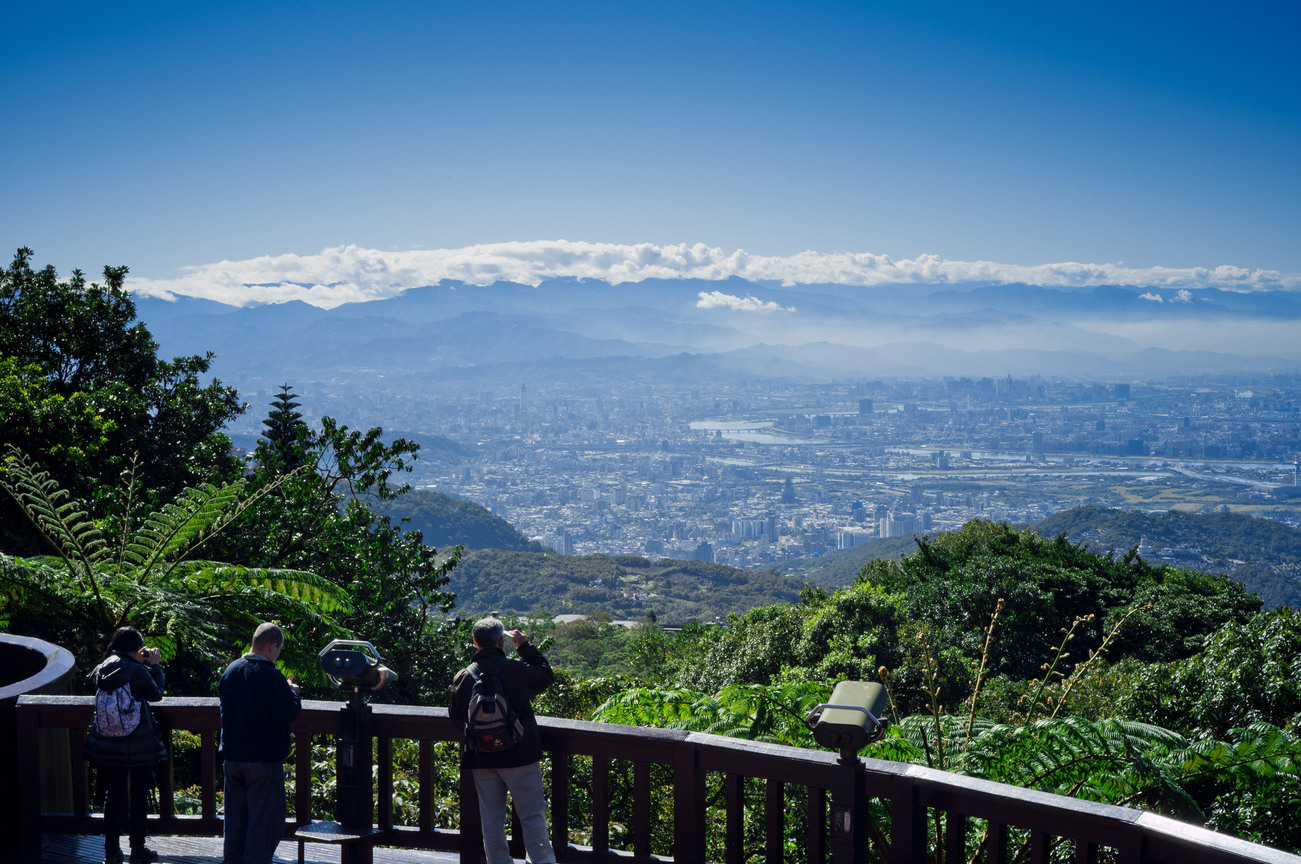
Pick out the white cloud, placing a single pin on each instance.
(748, 303)
(1155, 298)
(1183, 295)
(345, 274)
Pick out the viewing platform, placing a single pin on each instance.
(617, 794)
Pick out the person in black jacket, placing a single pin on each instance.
(257, 706)
(515, 768)
(126, 763)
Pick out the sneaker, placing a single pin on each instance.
(143, 855)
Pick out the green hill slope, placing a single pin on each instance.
(446, 521)
(491, 580)
(1262, 554)
(838, 569)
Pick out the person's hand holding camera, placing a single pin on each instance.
(151, 656)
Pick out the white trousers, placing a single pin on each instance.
(525, 786)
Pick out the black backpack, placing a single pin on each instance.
(490, 724)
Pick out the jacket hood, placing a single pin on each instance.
(113, 673)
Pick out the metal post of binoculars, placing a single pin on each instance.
(847, 723)
(355, 831)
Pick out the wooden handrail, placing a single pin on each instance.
(912, 795)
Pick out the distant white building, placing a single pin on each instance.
(753, 529)
(848, 538)
(891, 525)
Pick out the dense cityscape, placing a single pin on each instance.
(756, 474)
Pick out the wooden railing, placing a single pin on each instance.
(688, 796)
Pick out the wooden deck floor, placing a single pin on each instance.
(84, 849)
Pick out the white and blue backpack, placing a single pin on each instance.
(117, 713)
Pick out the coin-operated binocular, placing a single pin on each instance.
(346, 665)
(852, 719)
(355, 667)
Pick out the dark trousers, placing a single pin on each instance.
(254, 821)
(126, 803)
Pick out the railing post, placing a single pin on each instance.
(471, 831)
(560, 803)
(164, 773)
(688, 805)
(816, 825)
(734, 840)
(302, 778)
(600, 804)
(641, 810)
(384, 778)
(774, 827)
(208, 775)
(848, 841)
(907, 823)
(425, 753)
(29, 777)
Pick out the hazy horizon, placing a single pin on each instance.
(351, 274)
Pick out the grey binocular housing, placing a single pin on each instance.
(345, 664)
(852, 719)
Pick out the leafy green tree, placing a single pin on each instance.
(772, 714)
(74, 350)
(956, 579)
(70, 430)
(141, 568)
(320, 518)
(848, 634)
(1247, 673)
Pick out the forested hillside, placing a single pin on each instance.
(625, 586)
(1016, 658)
(838, 569)
(1263, 554)
(446, 521)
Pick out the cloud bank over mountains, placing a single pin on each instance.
(349, 274)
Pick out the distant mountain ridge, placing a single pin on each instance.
(514, 332)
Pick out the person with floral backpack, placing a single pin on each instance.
(124, 742)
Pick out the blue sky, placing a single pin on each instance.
(171, 135)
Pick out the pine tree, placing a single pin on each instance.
(286, 431)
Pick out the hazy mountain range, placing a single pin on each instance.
(707, 330)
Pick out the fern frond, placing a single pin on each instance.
(60, 519)
(175, 531)
(215, 580)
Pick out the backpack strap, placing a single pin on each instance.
(477, 673)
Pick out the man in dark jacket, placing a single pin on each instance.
(515, 768)
(257, 706)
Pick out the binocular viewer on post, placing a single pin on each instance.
(852, 719)
(346, 665)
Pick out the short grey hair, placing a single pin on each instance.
(488, 632)
(268, 634)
